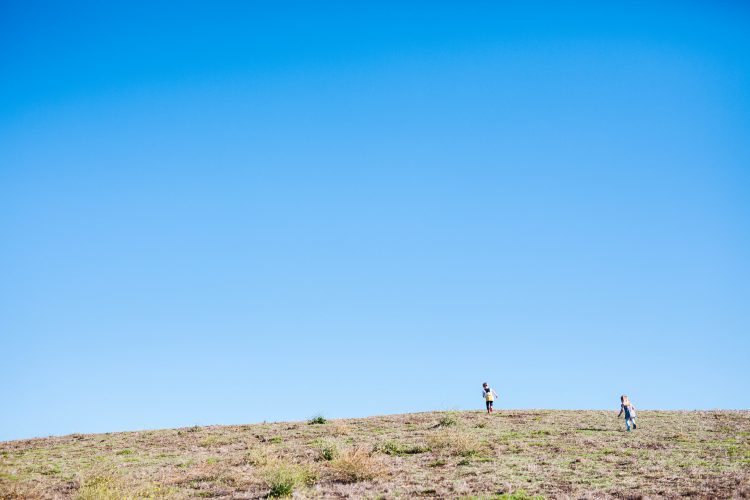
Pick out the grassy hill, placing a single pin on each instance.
(511, 454)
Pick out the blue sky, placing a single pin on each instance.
(232, 212)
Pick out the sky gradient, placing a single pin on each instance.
(233, 212)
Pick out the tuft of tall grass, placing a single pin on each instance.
(328, 453)
(461, 444)
(329, 450)
(100, 488)
(339, 429)
(259, 457)
(447, 420)
(283, 478)
(356, 464)
(184, 431)
(317, 420)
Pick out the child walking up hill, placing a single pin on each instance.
(627, 407)
(489, 395)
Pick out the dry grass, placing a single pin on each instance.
(435, 455)
(282, 479)
(357, 464)
(457, 443)
(110, 486)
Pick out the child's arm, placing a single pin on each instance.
(621, 408)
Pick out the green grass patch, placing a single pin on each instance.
(399, 449)
(516, 495)
(209, 441)
(329, 450)
(448, 420)
(283, 479)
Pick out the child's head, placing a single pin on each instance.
(485, 385)
(624, 399)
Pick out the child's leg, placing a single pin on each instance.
(627, 423)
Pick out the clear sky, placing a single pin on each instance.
(228, 212)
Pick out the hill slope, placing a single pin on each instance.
(447, 455)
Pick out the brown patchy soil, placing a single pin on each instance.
(511, 454)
